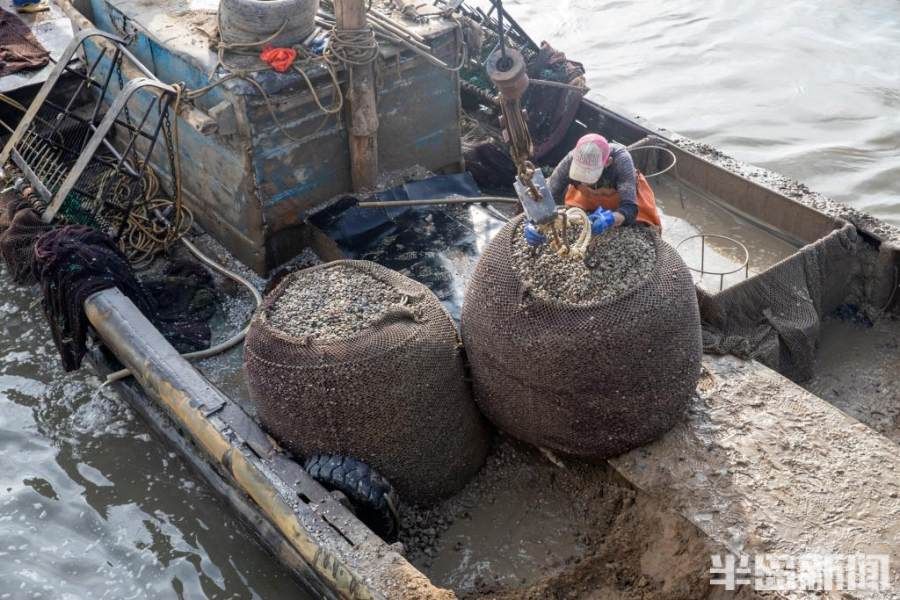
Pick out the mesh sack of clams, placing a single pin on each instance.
(355, 359)
(590, 358)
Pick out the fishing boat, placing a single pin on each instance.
(761, 466)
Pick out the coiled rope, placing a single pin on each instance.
(356, 47)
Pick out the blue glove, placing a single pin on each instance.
(601, 220)
(532, 236)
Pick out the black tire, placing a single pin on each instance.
(249, 21)
(372, 496)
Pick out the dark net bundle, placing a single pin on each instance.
(367, 365)
(20, 226)
(9, 206)
(75, 261)
(587, 378)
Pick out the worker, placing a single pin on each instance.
(600, 178)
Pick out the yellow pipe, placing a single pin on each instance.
(185, 394)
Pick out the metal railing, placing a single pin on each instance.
(86, 140)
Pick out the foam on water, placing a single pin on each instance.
(94, 506)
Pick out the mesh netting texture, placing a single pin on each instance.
(73, 262)
(775, 316)
(20, 226)
(592, 380)
(393, 395)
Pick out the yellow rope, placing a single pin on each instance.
(556, 232)
(356, 47)
(145, 235)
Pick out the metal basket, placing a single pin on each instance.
(743, 266)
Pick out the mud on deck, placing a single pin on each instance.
(528, 528)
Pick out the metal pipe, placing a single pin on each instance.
(437, 201)
(192, 401)
(373, 13)
(555, 84)
(392, 35)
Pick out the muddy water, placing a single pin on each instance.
(856, 370)
(91, 504)
(716, 262)
(810, 89)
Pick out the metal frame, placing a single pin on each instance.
(22, 141)
(671, 155)
(745, 264)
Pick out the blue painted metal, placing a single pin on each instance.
(250, 188)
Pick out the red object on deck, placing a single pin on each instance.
(280, 59)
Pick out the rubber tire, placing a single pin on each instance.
(372, 496)
(250, 21)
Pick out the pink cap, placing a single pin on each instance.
(589, 157)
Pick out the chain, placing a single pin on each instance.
(122, 88)
(173, 167)
(526, 175)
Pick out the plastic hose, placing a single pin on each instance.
(218, 348)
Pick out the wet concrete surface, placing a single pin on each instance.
(764, 467)
(528, 528)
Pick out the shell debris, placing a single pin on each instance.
(331, 304)
(616, 262)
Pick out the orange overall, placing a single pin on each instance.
(590, 199)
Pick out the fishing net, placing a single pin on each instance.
(74, 261)
(19, 48)
(775, 316)
(592, 379)
(393, 395)
(9, 206)
(20, 226)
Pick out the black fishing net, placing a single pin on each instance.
(592, 380)
(775, 316)
(490, 164)
(20, 226)
(75, 261)
(393, 396)
(9, 206)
